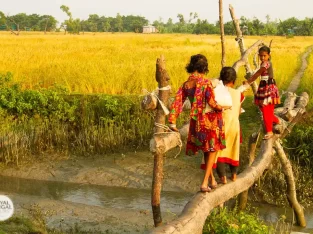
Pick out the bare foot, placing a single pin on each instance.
(233, 177)
(223, 180)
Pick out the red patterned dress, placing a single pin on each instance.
(267, 92)
(206, 130)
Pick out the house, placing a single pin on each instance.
(149, 29)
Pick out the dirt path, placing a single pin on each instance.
(294, 84)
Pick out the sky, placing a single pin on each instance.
(162, 9)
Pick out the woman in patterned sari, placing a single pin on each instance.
(206, 130)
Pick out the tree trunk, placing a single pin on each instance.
(291, 187)
(244, 57)
(239, 39)
(46, 25)
(163, 81)
(253, 140)
(223, 62)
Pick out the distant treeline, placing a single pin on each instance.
(131, 23)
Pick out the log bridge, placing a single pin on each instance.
(194, 214)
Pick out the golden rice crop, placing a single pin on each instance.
(124, 63)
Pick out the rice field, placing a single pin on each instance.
(124, 63)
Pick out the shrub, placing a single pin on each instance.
(224, 221)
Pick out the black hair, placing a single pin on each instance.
(228, 75)
(265, 49)
(198, 63)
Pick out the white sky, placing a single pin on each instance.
(154, 9)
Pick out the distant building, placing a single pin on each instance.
(149, 29)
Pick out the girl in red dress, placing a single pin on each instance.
(267, 95)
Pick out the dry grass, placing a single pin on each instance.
(125, 62)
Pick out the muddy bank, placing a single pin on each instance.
(128, 170)
(132, 169)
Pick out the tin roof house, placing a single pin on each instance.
(149, 29)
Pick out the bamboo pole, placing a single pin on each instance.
(223, 62)
(163, 81)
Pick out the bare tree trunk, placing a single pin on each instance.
(244, 57)
(163, 81)
(291, 187)
(46, 25)
(239, 39)
(223, 62)
(14, 32)
(253, 141)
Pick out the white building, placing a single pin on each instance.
(149, 29)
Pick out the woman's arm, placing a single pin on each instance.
(210, 98)
(177, 106)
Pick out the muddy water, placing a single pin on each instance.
(271, 214)
(127, 198)
(93, 195)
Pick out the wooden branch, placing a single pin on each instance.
(239, 39)
(163, 80)
(302, 101)
(291, 187)
(192, 218)
(223, 62)
(149, 102)
(244, 57)
(253, 140)
(163, 142)
(288, 113)
(255, 63)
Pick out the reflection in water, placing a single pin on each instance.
(127, 198)
(94, 195)
(271, 214)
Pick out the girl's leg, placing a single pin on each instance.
(221, 171)
(209, 158)
(268, 115)
(212, 181)
(275, 119)
(233, 170)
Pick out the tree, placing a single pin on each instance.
(159, 25)
(307, 26)
(46, 23)
(118, 23)
(169, 26)
(229, 28)
(288, 24)
(270, 26)
(203, 27)
(72, 25)
(257, 26)
(107, 25)
(9, 23)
